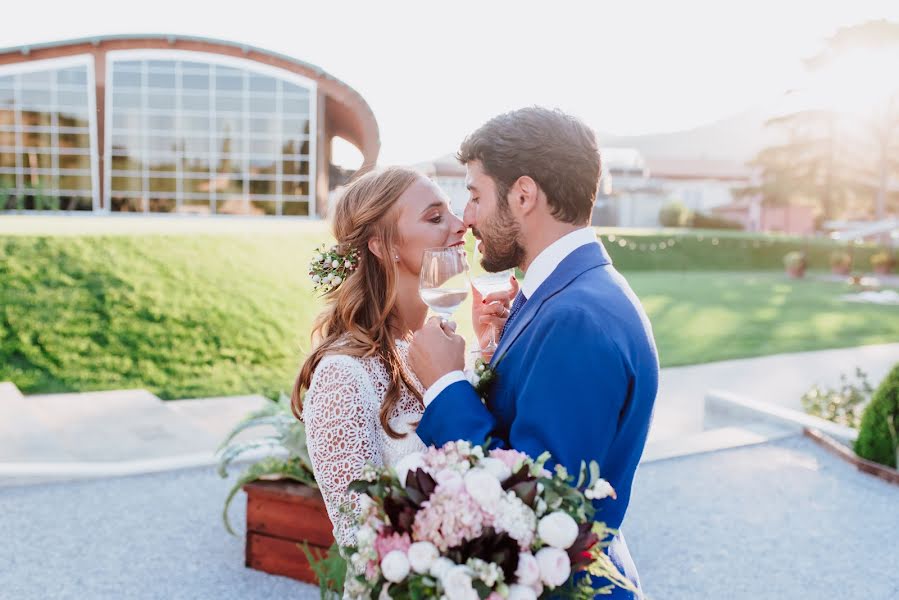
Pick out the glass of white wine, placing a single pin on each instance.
(489, 283)
(443, 283)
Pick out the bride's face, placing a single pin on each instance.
(424, 220)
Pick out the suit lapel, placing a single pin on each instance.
(588, 256)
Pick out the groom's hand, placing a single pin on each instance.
(435, 351)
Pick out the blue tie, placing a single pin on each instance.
(517, 305)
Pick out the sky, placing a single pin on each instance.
(434, 71)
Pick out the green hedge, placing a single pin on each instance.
(683, 249)
(877, 439)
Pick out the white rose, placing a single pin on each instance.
(422, 555)
(347, 264)
(498, 468)
(316, 278)
(317, 257)
(337, 280)
(521, 592)
(410, 462)
(558, 530)
(528, 572)
(365, 536)
(484, 487)
(395, 566)
(335, 263)
(449, 480)
(440, 567)
(601, 489)
(457, 584)
(555, 568)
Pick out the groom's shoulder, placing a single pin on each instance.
(602, 298)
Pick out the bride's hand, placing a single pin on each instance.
(490, 311)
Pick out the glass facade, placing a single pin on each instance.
(197, 136)
(46, 124)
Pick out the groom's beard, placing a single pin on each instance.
(502, 249)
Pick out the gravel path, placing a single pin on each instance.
(781, 520)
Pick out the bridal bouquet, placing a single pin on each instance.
(461, 522)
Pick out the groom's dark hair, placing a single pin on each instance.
(556, 150)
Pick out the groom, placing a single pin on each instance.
(577, 369)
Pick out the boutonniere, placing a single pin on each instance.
(483, 376)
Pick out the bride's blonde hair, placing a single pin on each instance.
(356, 319)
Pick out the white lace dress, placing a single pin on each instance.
(343, 429)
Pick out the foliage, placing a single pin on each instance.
(674, 214)
(882, 259)
(838, 160)
(329, 568)
(840, 259)
(284, 454)
(794, 260)
(842, 405)
(877, 436)
(700, 220)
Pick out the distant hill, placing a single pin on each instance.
(734, 139)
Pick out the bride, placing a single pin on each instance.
(362, 402)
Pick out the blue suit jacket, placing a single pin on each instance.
(578, 377)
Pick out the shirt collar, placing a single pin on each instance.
(547, 261)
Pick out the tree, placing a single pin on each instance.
(844, 162)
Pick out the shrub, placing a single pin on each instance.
(842, 405)
(794, 260)
(674, 214)
(882, 259)
(703, 221)
(877, 435)
(840, 260)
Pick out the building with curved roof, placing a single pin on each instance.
(172, 124)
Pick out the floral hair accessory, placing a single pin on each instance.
(329, 268)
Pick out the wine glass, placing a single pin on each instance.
(443, 283)
(489, 283)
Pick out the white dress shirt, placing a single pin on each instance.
(538, 272)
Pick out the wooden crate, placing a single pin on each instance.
(280, 515)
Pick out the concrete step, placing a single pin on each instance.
(712, 440)
(116, 425)
(22, 434)
(218, 416)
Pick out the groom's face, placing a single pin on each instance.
(488, 216)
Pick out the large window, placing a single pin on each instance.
(205, 134)
(46, 139)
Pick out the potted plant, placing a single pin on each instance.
(882, 262)
(795, 264)
(840, 262)
(286, 517)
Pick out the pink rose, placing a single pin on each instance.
(512, 458)
(387, 544)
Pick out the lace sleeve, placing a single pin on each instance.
(341, 415)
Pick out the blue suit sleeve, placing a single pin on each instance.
(570, 400)
(457, 413)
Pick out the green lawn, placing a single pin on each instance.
(193, 315)
(706, 316)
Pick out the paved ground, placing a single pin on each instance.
(779, 379)
(779, 520)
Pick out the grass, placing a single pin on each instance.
(201, 314)
(703, 316)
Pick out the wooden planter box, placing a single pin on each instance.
(844, 452)
(280, 515)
